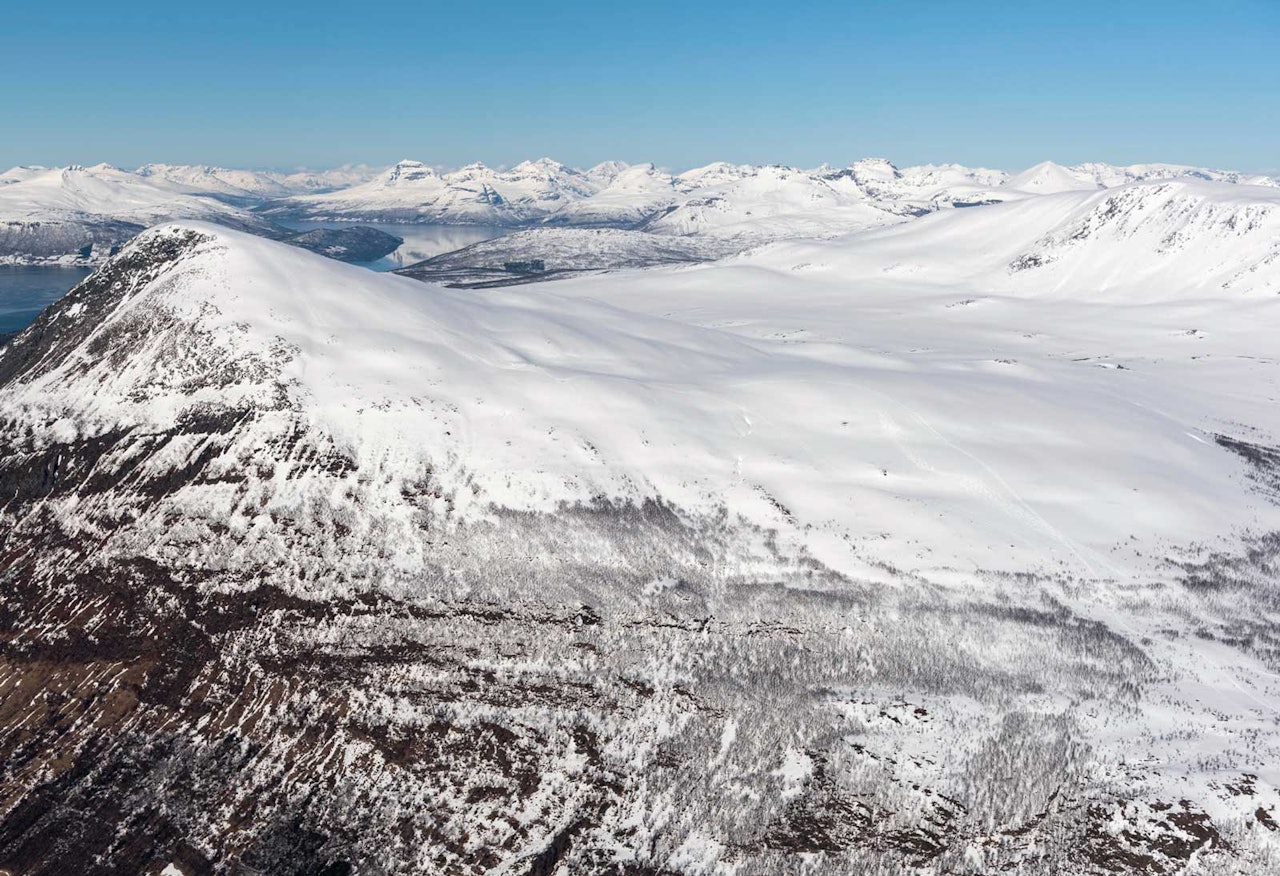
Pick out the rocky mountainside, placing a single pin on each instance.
(810, 559)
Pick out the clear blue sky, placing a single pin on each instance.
(283, 84)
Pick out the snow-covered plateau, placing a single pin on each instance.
(867, 521)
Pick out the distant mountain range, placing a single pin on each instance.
(79, 215)
(719, 198)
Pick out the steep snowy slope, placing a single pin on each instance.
(79, 215)
(822, 558)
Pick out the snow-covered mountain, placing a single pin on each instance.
(617, 195)
(941, 547)
(605, 172)
(920, 189)
(748, 203)
(220, 182)
(1050, 178)
(79, 215)
(252, 186)
(21, 174)
(632, 195)
(413, 192)
(768, 203)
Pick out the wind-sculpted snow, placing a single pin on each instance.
(819, 557)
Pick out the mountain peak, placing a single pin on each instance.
(1048, 178)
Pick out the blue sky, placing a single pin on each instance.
(282, 84)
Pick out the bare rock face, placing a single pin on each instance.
(205, 664)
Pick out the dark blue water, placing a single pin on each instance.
(25, 291)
